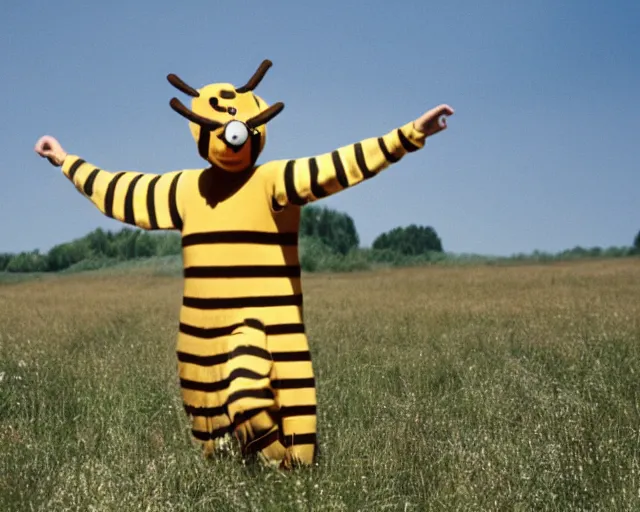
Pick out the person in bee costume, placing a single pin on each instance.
(243, 356)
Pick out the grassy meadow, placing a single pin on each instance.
(440, 388)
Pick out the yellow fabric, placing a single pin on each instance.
(247, 105)
(240, 259)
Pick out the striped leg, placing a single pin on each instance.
(298, 424)
(294, 383)
(250, 399)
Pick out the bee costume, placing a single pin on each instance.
(243, 357)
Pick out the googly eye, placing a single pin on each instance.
(236, 133)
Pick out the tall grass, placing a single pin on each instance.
(440, 388)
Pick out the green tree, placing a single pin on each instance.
(146, 245)
(125, 243)
(335, 229)
(619, 252)
(128, 243)
(411, 240)
(314, 254)
(31, 261)
(168, 244)
(101, 244)
(64, 255)
(636, 243)
(5, 258)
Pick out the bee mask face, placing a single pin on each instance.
(227, 123)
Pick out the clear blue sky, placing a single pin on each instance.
(542, 152)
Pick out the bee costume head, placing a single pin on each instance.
(228, 123)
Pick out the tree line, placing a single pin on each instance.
(328, 241)
(97, 246)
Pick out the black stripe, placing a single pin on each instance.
(74, 167)
(151, 203)
(266, 394)
(204, 386)
(239, 373)
(298, 439)
(211, 412)
(278, 329)
(243, 350)
(293, 383)
(183, 357)
(388, 156)
(256, 139)
(297, 410)
(202, 436)
(129, 214)
(176, 220)
(362, 164)
(254, 323)
(290, 184)
(409, 146)
(241, 237)
(227, 95)
(255, 98)
(248, 350)
(340, 172)
(110, 195)
(260, 444)
(217, 332)
(203, 143)
(207, 333)
(206, 412)
(275, 205)
(244, 271)
(243, 302)
(88, 185)
(316, 189)
(206, 436)
(291, 357)
(244, 416)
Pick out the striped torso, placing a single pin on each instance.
(240, 261)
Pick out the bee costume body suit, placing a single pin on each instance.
(243, 357)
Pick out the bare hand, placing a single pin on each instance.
(433, 121)
(49, 148)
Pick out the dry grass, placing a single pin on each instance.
(488, 388)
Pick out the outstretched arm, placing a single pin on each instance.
(148, 201)
(304, 180)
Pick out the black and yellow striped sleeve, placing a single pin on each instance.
(304, 180)
(148, 201)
